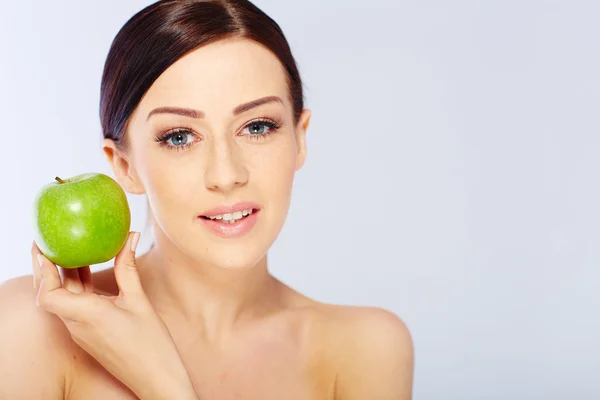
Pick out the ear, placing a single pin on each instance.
(301, 129)
(123, 170)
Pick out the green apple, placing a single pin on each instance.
(81, 221)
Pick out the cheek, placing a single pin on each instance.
(169, 182)
(273, 174)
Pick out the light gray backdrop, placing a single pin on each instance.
(452, 173)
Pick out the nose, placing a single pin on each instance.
(225, 168)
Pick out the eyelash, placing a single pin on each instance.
(273, 124)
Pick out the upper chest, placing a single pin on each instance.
(275, 364)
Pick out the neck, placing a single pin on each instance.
(211, 298)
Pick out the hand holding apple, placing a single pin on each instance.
(81, 221)
(121, 332)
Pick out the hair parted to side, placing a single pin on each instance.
(162, 33)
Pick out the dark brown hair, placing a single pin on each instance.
(160, 34)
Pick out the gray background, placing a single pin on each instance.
(451, 177)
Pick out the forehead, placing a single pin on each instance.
(217, 77)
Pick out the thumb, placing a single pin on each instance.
(53, 297)
(126, 273)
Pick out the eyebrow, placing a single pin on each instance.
(189, 112)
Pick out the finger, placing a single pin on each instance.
(66, 305)
(110, 298)
(35, 266)
(53, 298)
(71, 280)
(49, 274)
(85, 276)
(126, 273)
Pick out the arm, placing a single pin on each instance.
(35, 351)
(32, 346)
(377, 360)
(123, 333)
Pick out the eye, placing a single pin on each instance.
(258, 128)
(177, 139)
(261, 128)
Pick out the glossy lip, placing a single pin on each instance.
(230, 231)
(230, 209)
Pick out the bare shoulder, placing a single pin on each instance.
(367, 320)
(373, 352)
(34, 345)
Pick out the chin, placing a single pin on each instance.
(239, 253)
(236, 261)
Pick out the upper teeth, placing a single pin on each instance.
(233, 216)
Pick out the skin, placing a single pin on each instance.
(199, 315)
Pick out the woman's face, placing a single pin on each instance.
(191, 162)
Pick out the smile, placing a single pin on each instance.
(231, 221)
(232, 218)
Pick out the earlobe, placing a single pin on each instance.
(301, 130)
(124, 172)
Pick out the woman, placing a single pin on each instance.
(202, 111)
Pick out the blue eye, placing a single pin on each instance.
(261, 128)
(255, 128)
(177, 139)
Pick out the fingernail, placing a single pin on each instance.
(40, 260)
(134, 241)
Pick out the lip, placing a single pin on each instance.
(231, 231)
(230, 209)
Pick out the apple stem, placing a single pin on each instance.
(59, 180)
